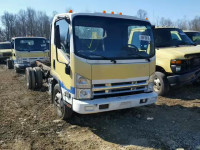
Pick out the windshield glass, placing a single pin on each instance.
(194, 36)
(30, 44)
(5, 46)
(171, 37)
(112, 38)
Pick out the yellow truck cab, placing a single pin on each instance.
(94, 68)
(5, 51)
(26, 50)
(177, 59)
(194, 36)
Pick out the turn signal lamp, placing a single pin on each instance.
(176, 62)
(70, 11)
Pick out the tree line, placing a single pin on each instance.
(30, 22)
(183, 24)
(27, 22)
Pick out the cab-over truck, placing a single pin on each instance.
(93, 66)
(5, 51)
(25, 51)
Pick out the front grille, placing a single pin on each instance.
(7, 54)
(113, 89)
(195, 62)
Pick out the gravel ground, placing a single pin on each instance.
(28, 121)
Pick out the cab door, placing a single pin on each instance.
(60, 55)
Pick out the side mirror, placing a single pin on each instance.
(67, 69)
(57, 37)
(153, 27)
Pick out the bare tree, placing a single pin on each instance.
(2, 35)
(142, 14)
(182, 24)
(8, 21)
(195, 24)
(31, 21)
(166, 22)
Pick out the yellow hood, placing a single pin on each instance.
(5, 51)
(113, 71)
(177, 52)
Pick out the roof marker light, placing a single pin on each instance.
(120, 13)
(104, 12)
(70, 11)
(112, 13)
(146, 18)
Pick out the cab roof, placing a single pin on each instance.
(165, 27)
(71, 15)
(190, 31)
(5, 42)
(27, 37)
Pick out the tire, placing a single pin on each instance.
(17, 70)
(38, 77)
(29, 78)
(161, 85)
(63, 112)
(33, 79)
(9, 64)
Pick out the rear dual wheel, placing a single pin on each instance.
(38, 77)
(34, 78)
(30, 78)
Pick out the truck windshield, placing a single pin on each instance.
(169, 37)
(5, 46)
(30, 44)
(112, 38)
(194, 36)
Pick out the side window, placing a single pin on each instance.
(64, 36)
(175, 36)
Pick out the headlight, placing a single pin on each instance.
(19, 60)
(82, 82)
(83, 94)
(150, 83)
(83, 87)
(177, 65)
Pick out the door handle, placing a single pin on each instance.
(54, 64)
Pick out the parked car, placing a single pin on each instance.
(177, 59)
(194, 36)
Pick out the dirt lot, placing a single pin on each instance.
(28, 121)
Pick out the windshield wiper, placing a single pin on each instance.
(112, 60)
(137, 54)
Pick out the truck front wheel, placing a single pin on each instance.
(9, 64)
(161, 85)
(63, 111)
